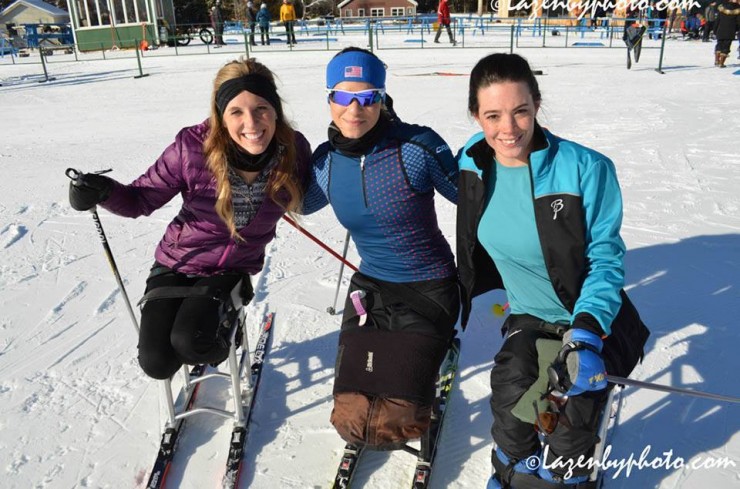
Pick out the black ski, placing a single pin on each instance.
(346, 470)
(239, 434)
(170, 436)
(448, 373)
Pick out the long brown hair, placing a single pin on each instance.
(284, 177)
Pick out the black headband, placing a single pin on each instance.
(256, 84)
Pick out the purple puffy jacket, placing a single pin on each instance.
(197, 242)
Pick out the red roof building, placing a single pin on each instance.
(377, 8)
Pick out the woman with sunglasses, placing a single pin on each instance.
(540, 216)
(237, 172)
(380, 175)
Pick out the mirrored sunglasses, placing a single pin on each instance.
(365, 98)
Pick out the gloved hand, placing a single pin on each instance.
(88, 190)
(579, 366)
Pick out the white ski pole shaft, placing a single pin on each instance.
(675, 390)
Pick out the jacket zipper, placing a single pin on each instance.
(546, 257)
(362, 175)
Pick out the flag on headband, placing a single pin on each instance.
(355, 66)
(353, 71)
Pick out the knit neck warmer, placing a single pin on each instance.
(361, 145)
(241, 160)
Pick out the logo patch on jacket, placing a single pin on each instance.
(441, 148)
(557, 206)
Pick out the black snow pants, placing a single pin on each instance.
(515, 370)
(183, 330)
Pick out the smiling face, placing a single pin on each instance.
(354, 121)
(251, 122)
(506, 113)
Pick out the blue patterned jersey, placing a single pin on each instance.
(386, 201)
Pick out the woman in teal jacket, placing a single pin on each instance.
(540, 216)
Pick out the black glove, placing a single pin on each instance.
(88, 190)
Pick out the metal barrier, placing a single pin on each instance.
(380, 34)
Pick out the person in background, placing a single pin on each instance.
(691, 27)
(251, 22)
(728, 25)
(264, 18)
(711, 16)
(540, 216)
(217, 22)
(288, 18)
(380, 175)
(237, 173)
(443, 20)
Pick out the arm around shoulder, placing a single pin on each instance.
(429, 163)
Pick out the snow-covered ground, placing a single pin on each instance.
(78, 412)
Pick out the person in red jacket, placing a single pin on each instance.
(443, 20)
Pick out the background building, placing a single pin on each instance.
(377, 8)
(33, 12)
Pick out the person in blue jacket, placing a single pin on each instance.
(540, 217)
(380, 175)
(263, 19)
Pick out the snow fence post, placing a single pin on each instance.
(370, 35)
(511, 40)
(659, 69)
(543, 31)
(138, 61)
(43, 64)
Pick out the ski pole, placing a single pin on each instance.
(664, 388)
(333, 309)
(74, 175)
(320, 243)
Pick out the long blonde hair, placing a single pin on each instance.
(284, 176)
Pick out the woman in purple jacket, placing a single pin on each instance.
(237, 172)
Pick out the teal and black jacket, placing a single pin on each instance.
(578, 213)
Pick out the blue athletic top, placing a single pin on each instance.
(385, 199)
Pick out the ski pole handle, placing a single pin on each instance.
(356, 297)
(76, 175)
(73, 175)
